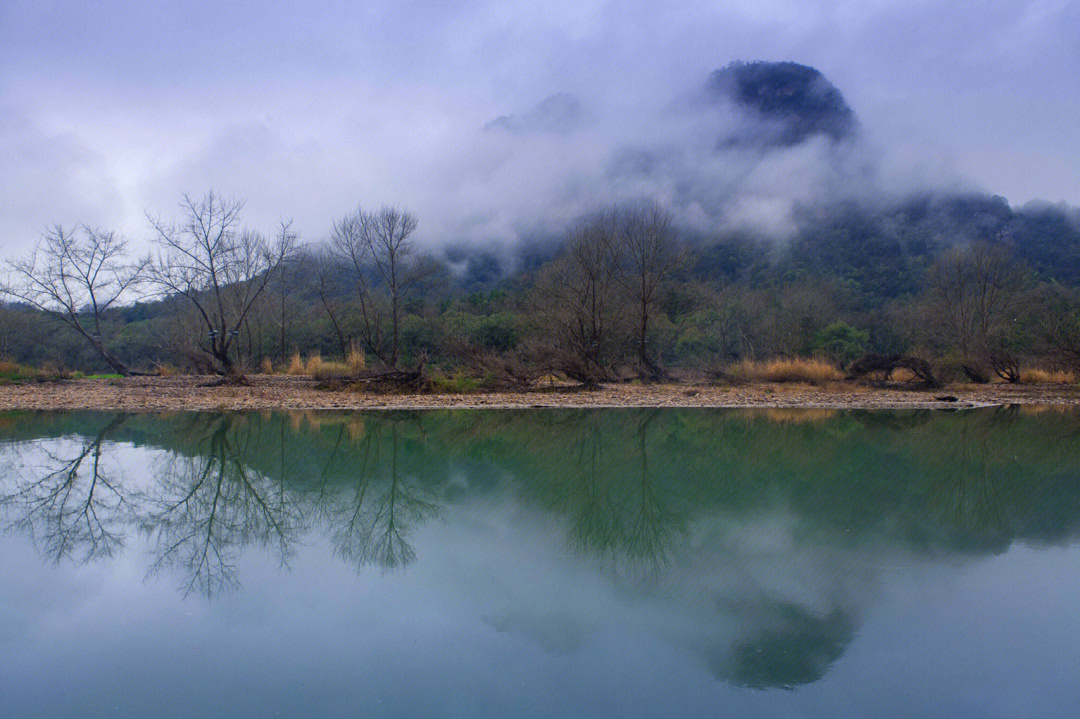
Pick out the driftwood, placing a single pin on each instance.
(391, 380)
(415, 380)
(229, 380)
(887, 364)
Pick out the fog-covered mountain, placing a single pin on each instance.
(782, 103)
(770, 158)
(558, 113)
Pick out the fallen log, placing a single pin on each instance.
(414, 380)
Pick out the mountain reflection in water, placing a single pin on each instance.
(756, 536)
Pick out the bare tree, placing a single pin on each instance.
(974, 295)
(177, 336)
(284, 295)
(650, 252)
(1059, 325)
(387, 268)
(219, 267)
(577, 302)
(324, 279)
(75, 276)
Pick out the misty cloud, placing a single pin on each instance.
(681, 150)
(310, 111)
(560, 113)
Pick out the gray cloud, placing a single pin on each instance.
(311, 110)
(49, 172)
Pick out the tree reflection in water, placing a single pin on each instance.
(70, 499)
(666, 499)
(214, 496)
(380, 505)
(618, 510)
(207, 506)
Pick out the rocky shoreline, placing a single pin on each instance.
(144, 394)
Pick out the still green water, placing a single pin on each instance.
(541, 563)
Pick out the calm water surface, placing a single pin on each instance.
(605, 563)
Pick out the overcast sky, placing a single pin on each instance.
(109, 110)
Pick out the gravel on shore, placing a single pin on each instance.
(292, 392)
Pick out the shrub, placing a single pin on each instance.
(14, 373)
(694, 343)
(499, 332)
(841, 343)
(47, 372)
(458, 383)
(266, 366)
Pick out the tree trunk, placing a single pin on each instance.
(394, 341)
(337, 327)
(283, 336)
(649, 369)
(117, 364)
(643, 347)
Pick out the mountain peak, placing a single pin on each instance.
(788, 103)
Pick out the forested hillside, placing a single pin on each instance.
(853, 280)
(633, 289)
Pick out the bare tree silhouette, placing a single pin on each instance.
(78, 508)
(75, 276)
(221, 269)
(385, 507)
(207, 507)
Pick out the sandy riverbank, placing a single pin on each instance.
(287, 392)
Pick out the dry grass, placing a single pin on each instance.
(903, 374)
(321, 369)
(318, 368)
(329, 371)
(356, 361)
(167, 370)
(810, 371)
(296, 365)
(1036, 375)
(266, 366)
(15, 373)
